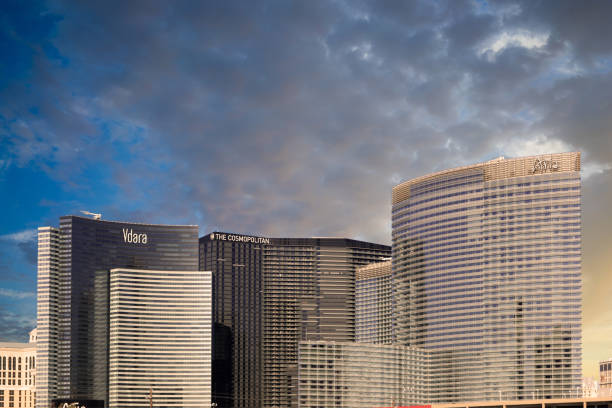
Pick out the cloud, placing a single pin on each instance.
(253, 130)
(15, 294)
(15, 327)
(581, 26)
(296, 119)
(503, 40)
(20, 237)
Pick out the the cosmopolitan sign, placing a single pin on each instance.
(542, 166)
(239, 238)
(131, 237)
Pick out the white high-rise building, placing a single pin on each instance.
(160, 338)
(373, 311)
(487, 277)
(47, 315)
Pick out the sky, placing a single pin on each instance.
(290, 118)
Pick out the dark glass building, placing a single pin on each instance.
(71, 260)
(237, 266)
(270, 293)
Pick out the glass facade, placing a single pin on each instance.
(487, 277)
(360, 375)
(160, 338)
(373, 312)
(71, 260)
(237, 318)
(47, 314)
(309, 294)
(270, 293)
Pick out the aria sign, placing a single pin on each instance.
(239, 238)
(542, 166)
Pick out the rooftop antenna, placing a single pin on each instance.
(94, 215)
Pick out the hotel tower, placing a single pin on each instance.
(268, 295)
(124, 315)
(487, 277)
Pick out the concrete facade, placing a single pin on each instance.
(18, 374)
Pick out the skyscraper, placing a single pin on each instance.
(270, 293)
(487, 276)
(47, 311)
(237, 267)
(72, 357)
(309, 294)
(159, 338)
(373, 303)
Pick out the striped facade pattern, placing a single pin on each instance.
(290, 293)
(373, 302)
(160, 338)
(487, 276)
(237, 319)
(47, 310)
(309, 294)
(74, 262)
(360, 375)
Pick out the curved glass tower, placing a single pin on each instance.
(487, 277)
(74, 262)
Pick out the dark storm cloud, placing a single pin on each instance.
(296, 118)
(579, 112)
(583, 26)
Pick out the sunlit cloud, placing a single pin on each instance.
(521, 38)
(533, 145)
(16, 294)
(21, 236)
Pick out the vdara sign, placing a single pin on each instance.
(130, 237)
(239, 238)
(542, 166)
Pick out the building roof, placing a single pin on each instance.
(499, 168)
(15, 345)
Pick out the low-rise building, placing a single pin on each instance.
(605, 377)
(360, 375)
(18, 373)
